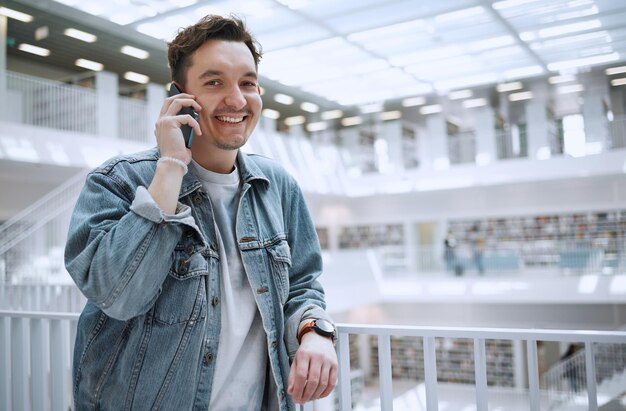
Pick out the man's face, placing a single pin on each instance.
(223, 79)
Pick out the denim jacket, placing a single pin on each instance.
(148, 336)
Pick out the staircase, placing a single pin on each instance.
(32, 241)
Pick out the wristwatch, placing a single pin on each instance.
(321, 327)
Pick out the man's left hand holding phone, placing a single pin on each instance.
(175, 129)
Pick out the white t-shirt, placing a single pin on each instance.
(241, 367)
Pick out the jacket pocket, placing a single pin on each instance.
(280, 263)
(183, 294)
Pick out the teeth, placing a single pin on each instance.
(230, 119)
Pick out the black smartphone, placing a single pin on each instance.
(188, 133)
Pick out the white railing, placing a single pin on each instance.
(566, 380)
(510, 144)
(618, 132)
(133, 124)
(462, 148)
(42, 297)
(53, 104)
(36, 351)
(32, 242)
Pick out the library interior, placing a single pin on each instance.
(463, 162)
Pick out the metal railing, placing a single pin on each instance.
(32, 242)
(36, 350)
(511, 144)
(566, 380)
(52, 104)
(133, 124)
(617, 129)
(462, 148)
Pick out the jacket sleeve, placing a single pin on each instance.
(306, 296)
(117, 254)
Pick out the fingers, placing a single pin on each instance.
(298, 378)
(174, 104)
(313, 374)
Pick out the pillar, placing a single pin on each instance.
(434, 148)
(485, 131)
(107, 104)
(155, 95)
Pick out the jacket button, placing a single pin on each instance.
(189, 249)
(197, 199)
(208, 357)
(215, 301)
(183, 266)
(274, 344)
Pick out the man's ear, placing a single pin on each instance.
(258, 88)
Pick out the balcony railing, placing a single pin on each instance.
(36, 351)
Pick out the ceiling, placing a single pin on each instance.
(352, 52)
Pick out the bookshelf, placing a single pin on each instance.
(455, 360)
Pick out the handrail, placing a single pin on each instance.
(25, 335)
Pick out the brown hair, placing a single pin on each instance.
(211, 27)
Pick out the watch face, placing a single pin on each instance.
(325, 326)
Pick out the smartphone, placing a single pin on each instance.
(188, 133)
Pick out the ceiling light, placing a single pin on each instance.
(135, 52)
(351, 121)
(460, 14)
(583, 62)
(89, 65)
(505, 87)
(80, 35)
(136, 77)
(562, 79)
(432, 109)
(316, 126)
(269, 113)
(569, 28)
(309, 107)
(476, 102)
(573, 88)
(283, 99)
(506, 4)
(17, 15)
(332, 114)
(29, 48)
(42, 33)
(492, 43)
(615, 70)
(371, 108)
(523, 72)
(295, 120)
(413, 101)
(618, 81)
(524, 95)
(391, 115)
(460, 94)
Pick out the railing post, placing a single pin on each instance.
(430, 374)
(5, 363)
(39, 359)
(384, 372)
(480, 371)
(20, 367)
(590, 365)
(345, 394)
(58, 364)
(533, 375)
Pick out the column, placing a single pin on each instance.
(155, 95)
(485, 135)
(434, 147)
(107, 103)
(537, 126)
(393, 160)
(3, 67)
(597, 138)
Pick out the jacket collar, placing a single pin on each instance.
(249, 171)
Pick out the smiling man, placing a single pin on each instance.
(200, 265)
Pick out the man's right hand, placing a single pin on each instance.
(167, 130)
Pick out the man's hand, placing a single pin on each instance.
(313, 372)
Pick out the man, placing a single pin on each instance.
(201, 284)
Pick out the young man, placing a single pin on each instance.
(200, 266)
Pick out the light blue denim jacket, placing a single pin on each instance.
(148, 336)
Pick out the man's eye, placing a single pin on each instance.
(249, 84)
(212, 83)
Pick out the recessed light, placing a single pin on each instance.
(135, 52)
(269, 113)
(413, 101)
(136, 77)
(283, 99)
(309, 107)
(80, 35)
(351, 121)
(29, 48)
(17, 15)
(295, 120)
(524, 95)
(331, 114)
(504, 87)
(89, 65)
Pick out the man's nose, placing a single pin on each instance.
(235, 98)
